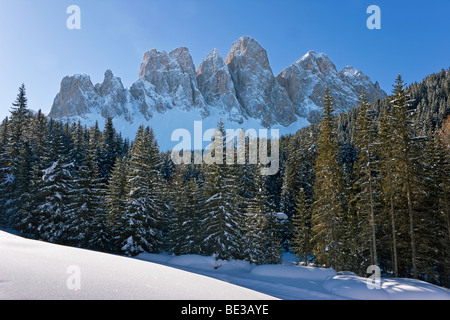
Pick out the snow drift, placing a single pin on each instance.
(36, 270)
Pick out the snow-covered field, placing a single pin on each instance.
(37, 270)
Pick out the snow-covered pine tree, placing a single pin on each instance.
(222, 232)
(253, 238)
(51, 185)
(389, 184)
(404, 147)
(177, 213)
(87, 196)
(109, 151)
(144, 205)
(262, 227)
(52, 199)
(365, 184)
(37, 137)
(301, 243)
(328, 212)
(115, 198)
(186, 214)
(99, 237)
(3, 171)
(292, 180)
(18, 161)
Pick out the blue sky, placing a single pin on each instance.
(36, 47)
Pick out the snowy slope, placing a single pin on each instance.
(164, 125)
(36, 270)
(291, 282)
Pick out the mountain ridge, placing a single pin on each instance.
(240, 89)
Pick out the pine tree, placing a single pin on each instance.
(328, 212)
(389, 182)
(88, 218)
(442, 151)
(365, 183)
(222, 228)
(301, 243)
(3, 171)
(110, 149)
(143, 209)
(116, 195)
(401, 107)
(184, 232)
(53, 186)
(17, 158)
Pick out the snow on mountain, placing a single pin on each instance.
(306, 81)
(242, 91)
(34, 270)
(257, 90)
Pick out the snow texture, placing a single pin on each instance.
(36, 270)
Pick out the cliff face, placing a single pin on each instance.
(239, 89)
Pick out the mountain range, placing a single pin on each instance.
(241, 90)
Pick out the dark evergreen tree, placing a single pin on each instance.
(144, 204)
(365, 185)
(116, 196)
(222, 232)
(18, 161)
(301, 243)
(328, 207)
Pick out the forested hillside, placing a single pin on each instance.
(367, 187)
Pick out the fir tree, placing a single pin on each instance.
(365, 184)
(18, 161)
(116, 195)
(221, 225)
(144, 205)
(301, 243)
(86, 210)
(110, 150)
(328, 211)
(389, 182)
(403, 144)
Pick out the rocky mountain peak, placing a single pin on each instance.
(247, 48)
(240, 89)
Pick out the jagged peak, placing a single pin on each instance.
(246, 43)
(313, 55)
(180, 51)
(316, 62)
(350, 71)
(213, 62)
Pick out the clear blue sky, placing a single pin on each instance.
(36, 47)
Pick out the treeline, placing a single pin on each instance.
(372, 186)
(367, 187)
(89, 188)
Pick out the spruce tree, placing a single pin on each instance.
(110, 149)
(301, 243)
(87, 225)
(116, 195)
(18, 161)
(389, 183)
(328, 211)
(144, 206)
(365, 183)
(222, 232)
(401, 106)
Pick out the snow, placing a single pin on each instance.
(298, 272)
(33, 270)
(164, 125)
(36, 270)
